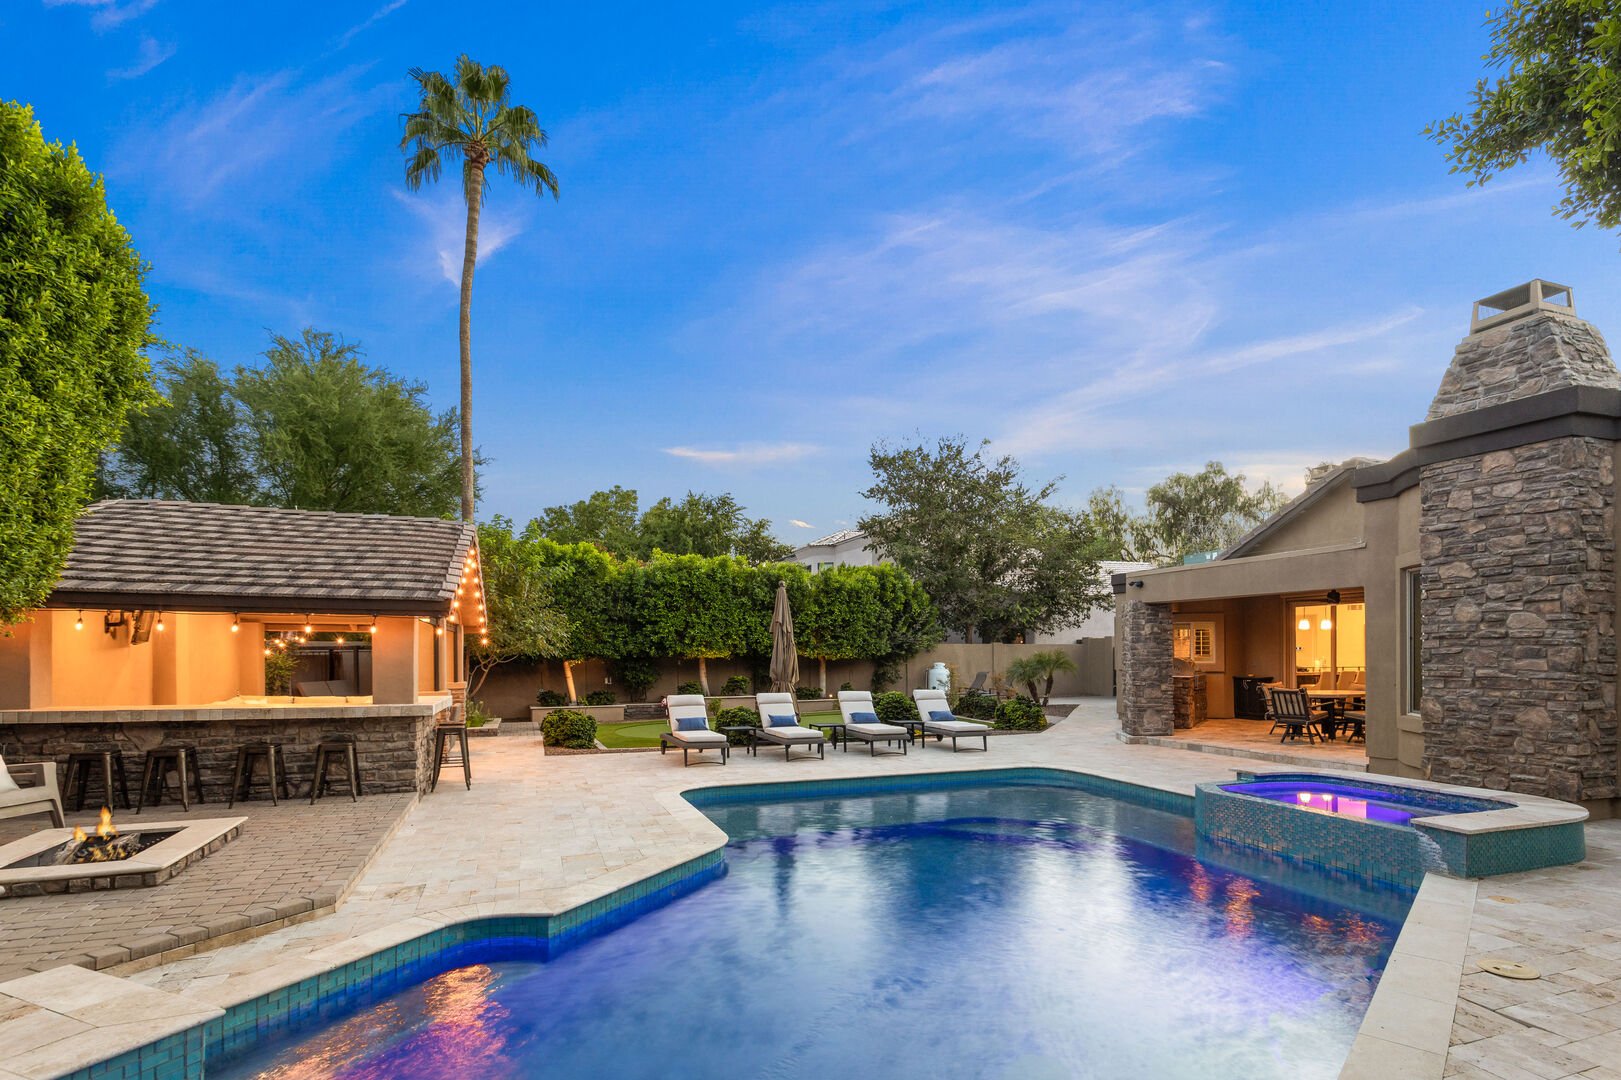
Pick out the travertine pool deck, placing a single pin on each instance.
(540, 835)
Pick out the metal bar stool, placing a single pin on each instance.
(155, 775)
(340, 748)
(248, 756)
(86, 765)
(453, 736)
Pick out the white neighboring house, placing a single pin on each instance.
(848, 547)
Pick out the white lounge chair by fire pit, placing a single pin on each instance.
(861, 722)
(939, 721)
(39, 795)
(779, 723)
(690, 730)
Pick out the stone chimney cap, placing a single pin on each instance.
(1522, 300)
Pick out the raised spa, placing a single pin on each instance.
(1388, 830)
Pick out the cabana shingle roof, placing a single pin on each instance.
(204, 557)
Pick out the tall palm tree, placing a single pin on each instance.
(469, 118)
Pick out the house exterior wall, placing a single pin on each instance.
(1335, 518)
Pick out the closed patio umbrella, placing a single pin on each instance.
(784, 654)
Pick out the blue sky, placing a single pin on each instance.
(1116, 243)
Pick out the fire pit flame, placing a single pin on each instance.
(104, 845)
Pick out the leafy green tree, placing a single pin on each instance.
(468, 117)
(692, 607)
(843, 618)
(1039, 667)
(191, 444)
(1186, 513)
(607, 519)
(1558, 92)
(1120, 534)
(596, 595)
(991, 552)
(524, 622)
(709, 525)
(328, 432)
(73, 321)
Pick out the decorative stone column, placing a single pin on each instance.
(1145, 667)
(1517, 538)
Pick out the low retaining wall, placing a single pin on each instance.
(394, 742)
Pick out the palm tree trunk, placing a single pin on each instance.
(475, 201)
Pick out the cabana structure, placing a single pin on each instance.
(160, 627)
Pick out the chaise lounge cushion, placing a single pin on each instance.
(704, 737)
(791, 734)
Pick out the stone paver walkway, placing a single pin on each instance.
(289, 860)
(1253, 738)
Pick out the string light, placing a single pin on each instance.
(373, 629)
(340, 639)
(78, 624)
(439, 631)
(268, 651)
(159, 626)
(308, 628)
(236, 622)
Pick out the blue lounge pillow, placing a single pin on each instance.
(939, 717)
(692, 723)
(863, 718)
(782, 721)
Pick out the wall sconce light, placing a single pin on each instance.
(1135, 584)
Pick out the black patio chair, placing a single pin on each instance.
(1291, 710)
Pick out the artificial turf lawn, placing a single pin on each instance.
(647, 732)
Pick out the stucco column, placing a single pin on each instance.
(1145, 668)
(394, 661)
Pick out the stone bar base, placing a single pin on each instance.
(394, 742)
(1190, 705)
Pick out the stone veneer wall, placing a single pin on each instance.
(396, 752)
(1145, 667)
(1520, 359)
(1518, 618)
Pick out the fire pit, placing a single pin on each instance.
(72, 860)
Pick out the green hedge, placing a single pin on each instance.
(894, 707)
(976, 705)
(690, 688)
(569, 728)
(742, 715)
(599, 697)
(1020, 714)
(550, 699)
(736, 685)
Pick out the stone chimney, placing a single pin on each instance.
(1517, 540)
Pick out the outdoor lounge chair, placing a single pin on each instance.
(861, 722)
(779, 723)
(690, 730)
(939, 721)
(37, 795)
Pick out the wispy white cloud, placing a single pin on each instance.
(259, 126)
(108, 14)
(444, 215)
(747, 454)
(370, 21)
(796, 523)
(151, 55)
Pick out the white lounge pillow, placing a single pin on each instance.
(6, 782)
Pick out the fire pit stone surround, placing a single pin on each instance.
(28, 866)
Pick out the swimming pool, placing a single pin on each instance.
(1350, 800)
(998, 930)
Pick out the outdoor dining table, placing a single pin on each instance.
(1335, 701)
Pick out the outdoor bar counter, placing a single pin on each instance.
(394, 742)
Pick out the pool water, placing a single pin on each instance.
(1343, 800)
(997, 931)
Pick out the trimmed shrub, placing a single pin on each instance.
(477, 715)
(807, 693)
(895, 707)
(637, 674)
(599, 697)
(1020, 714)
(976, 705)
(737, 684)
(742, 715)
(569, 728)
(550, 699)
(690, 688)
(884, 674)
(845, 686)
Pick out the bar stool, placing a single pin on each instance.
(453, 736)
(155, 775)
(340, 748)
(86, 765)
(248, 756)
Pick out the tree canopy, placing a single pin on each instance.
(314, 427)
(706, 525)
(992, 552)
(1186, 513)
(74, 318)
(524, 620)
(1558, 92)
